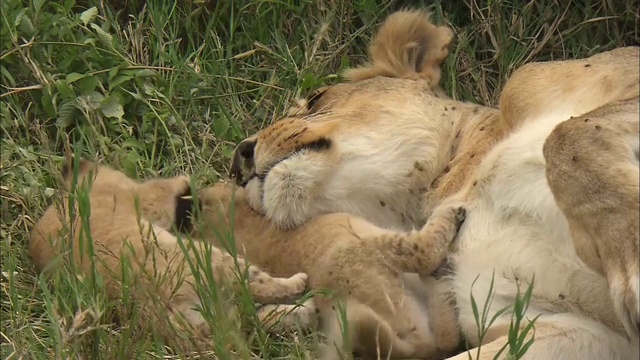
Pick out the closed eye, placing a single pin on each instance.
(313, 98)
(318, 145)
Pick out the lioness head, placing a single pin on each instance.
(346, 143)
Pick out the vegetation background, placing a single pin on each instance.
(161, 87)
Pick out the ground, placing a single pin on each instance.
(158, 88)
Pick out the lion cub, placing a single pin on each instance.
(358, 261)
(129, 221)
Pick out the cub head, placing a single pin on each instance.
(336, 142)
(163, 202)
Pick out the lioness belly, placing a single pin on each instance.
(515, 234)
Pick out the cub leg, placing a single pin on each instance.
(160, 202)
(422, 251)
(370, 334)
(263, 288)
(382, 317)
(592, 169)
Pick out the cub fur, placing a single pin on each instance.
(129, 222)
(360, 262)
(389, 148)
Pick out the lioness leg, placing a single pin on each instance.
(592, 169)
(559, 336)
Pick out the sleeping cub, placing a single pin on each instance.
(359, 262)
(129, 223)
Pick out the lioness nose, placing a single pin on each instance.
(242, 160)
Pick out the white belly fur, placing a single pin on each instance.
(514, 231)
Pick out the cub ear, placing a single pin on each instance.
(68, 168)
(408, 45)
(185, 211)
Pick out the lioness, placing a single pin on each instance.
(388, 147)
(129, 223)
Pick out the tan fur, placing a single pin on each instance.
(130, 220)
(393, 149)
(408, 46)
(534, 90)
(356, 260)
(462, 132)
(592, 169)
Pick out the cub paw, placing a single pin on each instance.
(453, 213)
(273, 290)
(460, 214)
(297, 284)
(449, 218)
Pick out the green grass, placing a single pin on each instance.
(164, 88)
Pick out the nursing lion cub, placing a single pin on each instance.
(129, 224)
(355, 260)
(388, 147)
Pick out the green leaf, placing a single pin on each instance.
(73, 77)
(7, 77)
(68, 4)
(87, 85)
(37, 5)
(94, 100)
(220, 126)
(88, 15)
(118, 80)
(23, 22)
(66, 114)
(309, 81)
(145, 73)
(132, 143)
(65, 89)
(130, 161)
(104, 36)
(112, 107)
(48, 102)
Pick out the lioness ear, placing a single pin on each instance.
(408, 45)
